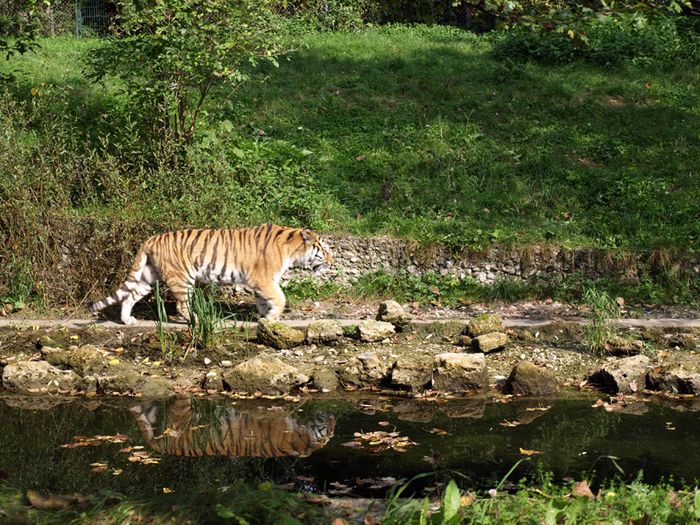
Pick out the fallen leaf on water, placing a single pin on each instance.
(376, 483)
(383, 423)
(99, 467)
(507, 423)
(84, 441)
(537, 409)
(144, 457)
(528, 452)
(117, 472)
(439, 432)
(167, 490)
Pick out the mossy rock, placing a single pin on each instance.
(279, 335)
(484, 324)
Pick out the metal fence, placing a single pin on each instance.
(82, 18)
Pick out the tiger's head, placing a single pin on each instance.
(317, 255)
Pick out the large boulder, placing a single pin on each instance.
(324, 331)
(38, 377)
(265, 374)
(676, 381)
(364, 370)
(626, 375)
(457, 372)
(412, 373)
(392, 312)
(279, 335)
(324, 379)
(484, 324)
(373, 331)
(528, 379)
(490, 342)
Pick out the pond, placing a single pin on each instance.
(139, 448)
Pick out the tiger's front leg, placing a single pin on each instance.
(270, 301)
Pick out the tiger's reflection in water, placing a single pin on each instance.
(185, 430)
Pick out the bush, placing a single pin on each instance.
(604, 39)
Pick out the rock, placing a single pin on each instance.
(484, 324)
(226, 363)
(38, 377)
(676, 381)
(489, 342)
(622, 346)
(412, 373)
(457, 372)
(89, 360)
(279, 335)
(392, 312)
(624, 375)
(364, 370)
(372, 331)
(55, 356)
(265, 374)
(46, 340)
(528, 379)
(685, 341)
(324, 379)
(213, 380)
(324, 331)
(465, 340)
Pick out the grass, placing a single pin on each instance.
(431, 288)
(418, 132)
(547, 503)
(241, 503)
(602, 326)
(533, 502)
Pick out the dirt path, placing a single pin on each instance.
(659, 322)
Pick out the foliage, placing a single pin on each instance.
(602, 322)
(19, 287)
(206, 320)
(18, 29)
(637, 33)
(416, 132)
(328, 15)
(548, 503)
(170, 54)
(166, 339)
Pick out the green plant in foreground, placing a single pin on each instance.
(602, 321)
(165, 338)
(206, 320)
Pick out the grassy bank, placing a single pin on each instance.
(424, 133)
(615, 503)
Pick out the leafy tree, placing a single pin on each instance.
(18, 28)
(170, 54)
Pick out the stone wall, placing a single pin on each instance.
(357, 255)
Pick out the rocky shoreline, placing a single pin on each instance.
(391, 354)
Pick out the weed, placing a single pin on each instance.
(602, 322)
(206, 320)
(166, 339)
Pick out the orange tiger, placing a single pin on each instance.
(188, 432)
(255, 256)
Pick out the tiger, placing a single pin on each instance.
(257, 257)
(232, 433)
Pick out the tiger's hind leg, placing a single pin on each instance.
(270, 301)
(140, 290)
(181, 289)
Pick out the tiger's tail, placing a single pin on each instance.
(129, 284)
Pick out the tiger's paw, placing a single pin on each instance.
(129, 321)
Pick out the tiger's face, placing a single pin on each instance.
(318, 254)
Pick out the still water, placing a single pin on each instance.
(192, 444)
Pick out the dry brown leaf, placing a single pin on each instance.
(582, 490)
(528, 452)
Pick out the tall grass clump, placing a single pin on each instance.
(206, 320)
(603, 319)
